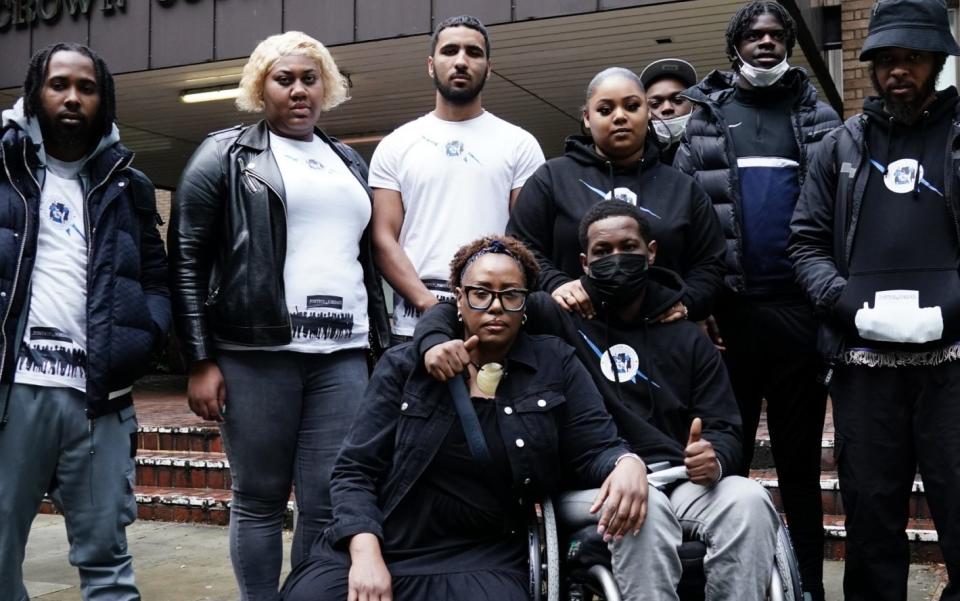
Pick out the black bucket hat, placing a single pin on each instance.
(911, 24)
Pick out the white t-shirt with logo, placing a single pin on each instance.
(53, 351)
(455, 178)
(327, 211)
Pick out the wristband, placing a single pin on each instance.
(625, 455)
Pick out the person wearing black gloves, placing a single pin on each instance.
(875, 243)
(619, 161)
(667, 390)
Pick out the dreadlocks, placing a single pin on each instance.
(37, 75)
(740, 23)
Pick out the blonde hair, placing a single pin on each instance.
(295, 43)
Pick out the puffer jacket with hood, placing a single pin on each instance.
(707, 151)
(669, 373)
(852, 235)
(128, 304)
(551, 204)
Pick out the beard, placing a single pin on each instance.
(459, 96)
(58, 134)
(906, 110)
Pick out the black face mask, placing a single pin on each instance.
(619, 278)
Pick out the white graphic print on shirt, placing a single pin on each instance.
(53, 350)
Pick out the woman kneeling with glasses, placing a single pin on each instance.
(431, 496)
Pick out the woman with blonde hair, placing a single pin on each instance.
(277, 298)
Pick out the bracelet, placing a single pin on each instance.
(625, 455)
(719, 470)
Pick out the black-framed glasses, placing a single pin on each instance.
(481, 299)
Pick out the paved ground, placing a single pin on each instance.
(183, 562)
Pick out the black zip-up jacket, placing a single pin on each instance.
(128, 303)
(555, 429)
(825, 222)
(684, 374)
(707, 151)
(228, 244)
(552, 203)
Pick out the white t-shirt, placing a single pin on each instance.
(455, 178)
(54, 347)
(327, 211)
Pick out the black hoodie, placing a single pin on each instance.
(906, 237)
(556, 197)
(668, 373)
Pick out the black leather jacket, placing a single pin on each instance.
(556, 431)
(228, 244)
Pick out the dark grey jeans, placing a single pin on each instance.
(49, 445)
(286, 416)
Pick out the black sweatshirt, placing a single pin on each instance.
(682, 220)
(669, 373)
(906, 236)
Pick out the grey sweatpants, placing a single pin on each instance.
(735, 518)
(49, 445)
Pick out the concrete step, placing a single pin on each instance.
(763, 452)
(183, 469)
(188, 505)
(922, 537)
(830, 492)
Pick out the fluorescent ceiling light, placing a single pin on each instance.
(210, 94)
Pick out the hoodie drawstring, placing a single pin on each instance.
(886, 168)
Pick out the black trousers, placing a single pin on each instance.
(889, 420)
(771, 354)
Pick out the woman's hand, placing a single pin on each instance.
(674, 313)
(444, 361)
(572, 297)
(206, 391)
(712, 330)
(624, 499)
(701, 461)
(369, 579)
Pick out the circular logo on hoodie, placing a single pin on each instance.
(627, 363)
(902, 176)
(624, 194)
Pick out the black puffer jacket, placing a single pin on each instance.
(128, 304)
(828, 213)
(228, 244)
(707, 151)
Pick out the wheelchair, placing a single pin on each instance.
(570, 562)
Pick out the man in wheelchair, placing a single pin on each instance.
(667, 389)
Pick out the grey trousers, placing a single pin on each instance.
(49, 445)
(736, 520)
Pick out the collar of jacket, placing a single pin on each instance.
(718, 84)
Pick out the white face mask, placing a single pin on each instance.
(762, 78)
(670, 131)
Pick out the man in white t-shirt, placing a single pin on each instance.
(446, 178)
(83, 304)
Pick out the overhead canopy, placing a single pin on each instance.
(541, 68)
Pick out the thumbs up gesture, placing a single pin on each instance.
(701, 461)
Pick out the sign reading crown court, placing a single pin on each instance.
(24, 13)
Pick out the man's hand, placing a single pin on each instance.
(368, 579)
(624, 498)
(572, 297)
(712, 331)
(206, 391)
(445, 361)
(701, 461)
(674, 313)
(425, 301)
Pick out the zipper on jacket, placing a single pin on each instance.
(267, 184)
(23, 245)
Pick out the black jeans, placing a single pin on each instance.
(771, 354)
(887, 421)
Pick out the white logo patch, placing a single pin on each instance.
(624, 194)
(627, 363)
(902, 176)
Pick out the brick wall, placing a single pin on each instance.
(854, 19)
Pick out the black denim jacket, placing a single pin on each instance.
(556, 431)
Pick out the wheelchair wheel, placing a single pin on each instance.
(785, 584)
(552, 551)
